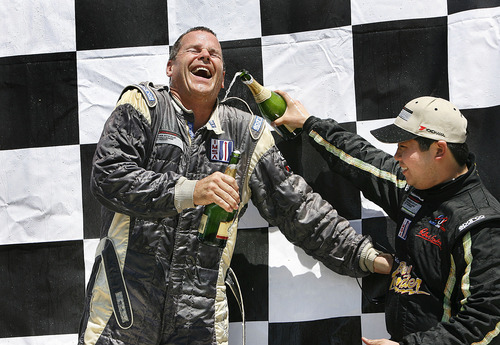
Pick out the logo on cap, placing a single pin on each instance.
(422, 128)
(405, 113)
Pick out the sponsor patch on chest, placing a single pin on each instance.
(404, 281)
(412, 205)
(403, 230)
(439, 222)
(429, 237)
(220, 150)
(171, 138)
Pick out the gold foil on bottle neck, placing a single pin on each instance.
(259, 92)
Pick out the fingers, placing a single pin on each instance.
(285, 95)
(217, 188)
(295, 115)
(227, 195)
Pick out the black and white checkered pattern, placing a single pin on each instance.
(63, 65)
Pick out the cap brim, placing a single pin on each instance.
(392, 134)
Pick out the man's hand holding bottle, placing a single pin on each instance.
(295, 115)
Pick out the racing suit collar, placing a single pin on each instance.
(213, 123)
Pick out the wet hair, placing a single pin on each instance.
(177, 45)
(459, 151)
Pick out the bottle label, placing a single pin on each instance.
(203, 223)
(263, 95)
(223, 231)
(231, 170)
(259, 92)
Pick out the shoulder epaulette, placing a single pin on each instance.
(146, 88)
(257, 126)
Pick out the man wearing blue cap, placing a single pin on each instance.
(445, 285)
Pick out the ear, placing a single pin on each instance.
(169, 68)
(223, 77)
(441, 149)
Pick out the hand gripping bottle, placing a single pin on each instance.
(271, 105)
(215, 222)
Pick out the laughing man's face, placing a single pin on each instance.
(198, 69)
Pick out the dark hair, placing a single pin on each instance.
(177, 45)
(459, 151)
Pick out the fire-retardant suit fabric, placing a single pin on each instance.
(445, 284)
(153, 282)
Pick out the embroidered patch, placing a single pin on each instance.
(405, 114)
(426, 235)
(167, 137)
(122, 309)
(256, 127)
(149, 94)
(439, 221)
(220, 150)
(470, 221)
(257, 124)
(411, 205)
(190, 128)
(212, 124)
(403, 281)
(403, 230)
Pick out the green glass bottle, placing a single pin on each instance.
(215, 222)
(271, 105)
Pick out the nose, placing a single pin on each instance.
(204, 55)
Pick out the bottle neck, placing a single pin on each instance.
(259, 92)
(231, 170)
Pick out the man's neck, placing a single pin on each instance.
(461, 171)
(455, 171)
(202, 108)
(201, 114)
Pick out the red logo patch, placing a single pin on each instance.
(425, 234)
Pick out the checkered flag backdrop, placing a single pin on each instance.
(64, 63)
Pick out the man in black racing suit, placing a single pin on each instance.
(445, 286)
(159, 160)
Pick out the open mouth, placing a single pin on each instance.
(202, 72)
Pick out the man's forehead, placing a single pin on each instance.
(200, 38)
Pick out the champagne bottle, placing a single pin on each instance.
(215, 222)
(271, 105)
